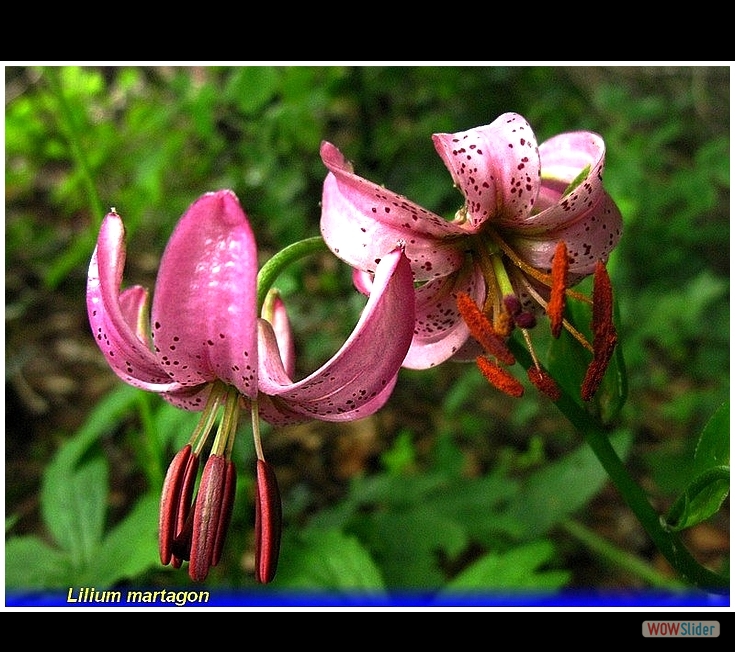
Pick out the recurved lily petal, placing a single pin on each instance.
(203, 313)
(589, 238)
(440, 331)
(115, 324)
(274, 311)
(360, 217)
(134, 307)
(496, 167)
(347, 386)
(586, 218)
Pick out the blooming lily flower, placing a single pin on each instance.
(208, 348)
(535, 221)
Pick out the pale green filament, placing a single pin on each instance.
(225, 437)
(209, 414)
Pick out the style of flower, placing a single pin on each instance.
(535, 221)
(204, 349)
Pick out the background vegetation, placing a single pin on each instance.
(452, 486)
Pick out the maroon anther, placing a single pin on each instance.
(207, 516)
(267, 523)
(228, 500)
(176, 505)
(181, 546)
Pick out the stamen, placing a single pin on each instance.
(512, 304)
(557, 299)
(267, 523)
(521, 318)
(499, 377)
(228, 500)
(525, 319)
(170, 499)
(602, 302)
(541, 277)
(181, 546)
(207, 516)
(544, 382)
(482, 330)
(568, 326)
(503, 326)
(603, 328)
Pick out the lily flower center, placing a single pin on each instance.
(504, 310)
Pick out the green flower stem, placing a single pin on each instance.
(287, 256)
(668, 543)
(620, 558)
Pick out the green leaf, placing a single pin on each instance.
(326, 559)
(561, 488)
(408, 543)
(713, 447)
(32, 564)
(701, 499)
(518, 568)
(129, 548)
(73, 499)
(480, 505)
(710, 485)
(402, 454)
(73, 504)
(252, 87)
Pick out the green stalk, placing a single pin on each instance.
(620, 558)
(287, 256)
(668, 543)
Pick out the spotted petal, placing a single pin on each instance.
(440, 331)
(204, 304)
(496, 167)
(115, 319)
(360, 217)
(587, 218)
(360, 376)
(274, 311)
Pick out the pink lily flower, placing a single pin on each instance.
(535, 221)
(203, 350)
(361, 375)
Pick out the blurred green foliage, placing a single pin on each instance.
(468, 489)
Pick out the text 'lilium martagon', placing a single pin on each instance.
(535, 221)
(205, 349)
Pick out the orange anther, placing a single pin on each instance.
(603, 329)
(482, 330)
(499, 377)
(557, 299)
